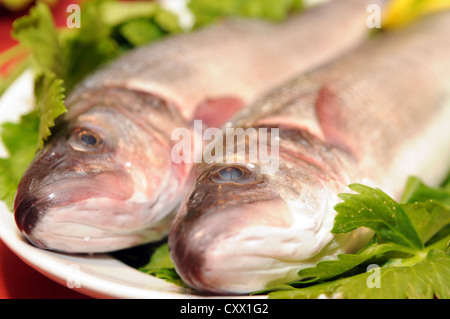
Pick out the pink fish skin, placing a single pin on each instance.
(375, 115)
(106, 180)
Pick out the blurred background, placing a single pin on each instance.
(13, 9)
(17, 279)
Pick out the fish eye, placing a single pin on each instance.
(86, 140)
(230, 173)
(234, 174)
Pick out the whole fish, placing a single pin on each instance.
(105, 179)
(374, 116)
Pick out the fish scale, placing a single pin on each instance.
(342, 97)
(220, 60)
(375, 115)
(117, 132)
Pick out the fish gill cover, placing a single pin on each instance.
(412, 237)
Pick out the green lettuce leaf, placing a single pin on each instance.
(208, 11)
(37, 32)
(89, 47)
(49, 91)
(140, 32)
(33, 128)
(21, 152)
(116, 13)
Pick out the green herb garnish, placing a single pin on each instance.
(410, 249)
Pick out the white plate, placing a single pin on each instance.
(99, 276)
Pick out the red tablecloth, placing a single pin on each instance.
(20, 281)
(17, 279)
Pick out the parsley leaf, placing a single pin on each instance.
(412, 260)
(417, 191)
(428, 217)
(426, 279)
(332, 268)
(161, 266)
(374, 209)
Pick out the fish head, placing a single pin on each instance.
(239, 230)
(103, 181)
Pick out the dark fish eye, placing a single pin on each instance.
(86, 140)
(234, 174)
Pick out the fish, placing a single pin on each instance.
(375, 116)
(105, 179)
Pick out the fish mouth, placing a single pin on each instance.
(244, 248)
(27, 216)
(207, 252)
(40, 208)
(89, 226)
(91, 214)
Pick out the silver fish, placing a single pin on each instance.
(374, 116)
(105, 180)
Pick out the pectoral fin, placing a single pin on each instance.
(332, 119)
(215, 112)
